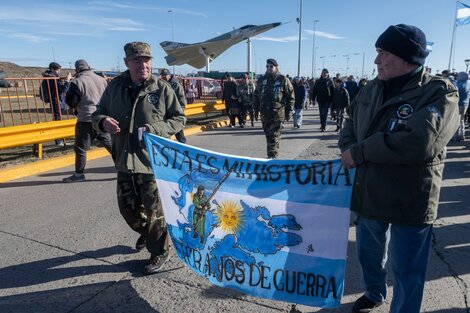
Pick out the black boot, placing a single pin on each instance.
(141, 243)
(155, 263)
(180, 136)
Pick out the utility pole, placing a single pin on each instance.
(363, 59)
(299, 20)
(323, 59)
(347, 63)
(313, 52)
(172, 30)
(248, 66)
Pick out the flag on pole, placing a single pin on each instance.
(463, 14)
(429, 46)
(275, 229)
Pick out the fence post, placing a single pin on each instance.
(37, 150)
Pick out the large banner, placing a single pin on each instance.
(275, 229)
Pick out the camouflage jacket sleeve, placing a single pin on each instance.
(257, 97)
(289, 95)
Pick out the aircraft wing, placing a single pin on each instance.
(194, 54)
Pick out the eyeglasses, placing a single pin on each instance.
(269, 66)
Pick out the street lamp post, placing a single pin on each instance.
(347, 63)
(363, 58)
(313, 49)
(323, 61)
(333, 56)
(300, 36)
(172, 30)
(467, 63)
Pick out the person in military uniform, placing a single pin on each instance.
(133, 103)
(246, 90)
(274, 98)
(201, 206)
(179, 91)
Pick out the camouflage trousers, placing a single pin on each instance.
(141, 207)
(272, 130)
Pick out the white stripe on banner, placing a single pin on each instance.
(315, 224)
(275, 229)
(463, 14)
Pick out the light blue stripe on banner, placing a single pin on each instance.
(289, 277)
(276, 179)
(270, 228)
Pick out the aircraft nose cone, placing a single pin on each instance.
(276, 24)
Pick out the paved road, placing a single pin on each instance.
(65, 247)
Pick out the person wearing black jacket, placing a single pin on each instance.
(230, 97)
(340, 102)
(351, 87)
(300, 95)
(323, 92)
(53, 90)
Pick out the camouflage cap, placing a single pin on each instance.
(137, 49)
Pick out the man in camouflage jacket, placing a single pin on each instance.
(274, 98)
(133, 103)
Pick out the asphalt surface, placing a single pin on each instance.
(65, 247)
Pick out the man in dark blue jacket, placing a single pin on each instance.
(351, 87)
(53, 91)
(300, 95)
(323, 92)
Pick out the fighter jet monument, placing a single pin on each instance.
(201, 54)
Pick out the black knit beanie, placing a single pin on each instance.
(405, 41)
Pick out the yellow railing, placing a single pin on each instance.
(201, 108)
(36, 134)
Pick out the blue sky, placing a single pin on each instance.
(33, 32)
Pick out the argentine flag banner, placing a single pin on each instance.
(276, 229)
(463, 14)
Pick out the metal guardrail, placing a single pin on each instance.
(22, 103)
(38, 133)
(202, 108)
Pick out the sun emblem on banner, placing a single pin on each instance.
(229, 216)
